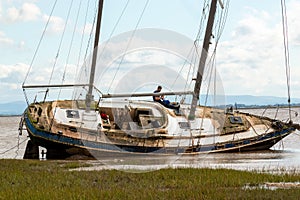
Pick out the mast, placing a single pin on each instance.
(89, 96)
(205, 47)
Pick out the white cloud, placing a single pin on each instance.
(11, 78)
(21, 45)
(293, 16)
(5, 40)
(86, 29)
(252, 60)
(13, 74)
(7, 70)
(41, 75)
(56, 24)
(12, 14)
(1, 10)
(30, 12)
(27, 12)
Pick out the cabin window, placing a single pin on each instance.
(235, 120)
(184, 125)
(141, 112)
(72, 114)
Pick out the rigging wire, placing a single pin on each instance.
(286, 51)
(84, 69)
(202, 21)
(115, 26)
(90, 38)
(70, 48)
(118, 20)
(39, 43)
(186, 86)
(219, 30)
(219, 26)
(60, 43)
(211, 71)
(212, 61)
(110, 36)
(192, 54)
(212, 64)
(82, 37)
(223, 19)
(193, 51)
(132, 35)
(57, 55)
(113, 30)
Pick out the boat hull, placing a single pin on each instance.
(62, 147)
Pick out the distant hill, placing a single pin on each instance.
(17, 107)
(259, 100)
(248, 101)
(12, 108)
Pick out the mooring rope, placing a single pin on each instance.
(16, 146)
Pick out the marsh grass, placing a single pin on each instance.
(33, 179)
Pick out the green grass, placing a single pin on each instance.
(33, 179)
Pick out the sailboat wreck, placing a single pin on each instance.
(139, 127)
(146, 127)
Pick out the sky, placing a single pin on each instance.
(250, 57)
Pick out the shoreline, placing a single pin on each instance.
(16, 115)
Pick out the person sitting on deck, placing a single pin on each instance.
(157, 98)
(163, 101)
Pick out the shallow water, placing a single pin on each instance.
(283, 157)
(12, 145)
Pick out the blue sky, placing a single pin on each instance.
(250, 57)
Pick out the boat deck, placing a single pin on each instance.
(218, 127)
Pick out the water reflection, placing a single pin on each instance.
(265, 161)
(272, 161)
